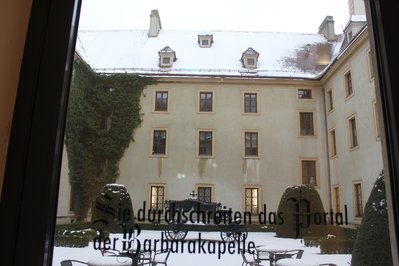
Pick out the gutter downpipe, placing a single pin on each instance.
(328, 152)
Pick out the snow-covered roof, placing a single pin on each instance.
(280, 54)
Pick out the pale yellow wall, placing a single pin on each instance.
(14, 17)
(281, 148)
(365, 162)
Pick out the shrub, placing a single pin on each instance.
(113, 211)
(74, 238)
(372, 246)
(336, 245)
(300, 207)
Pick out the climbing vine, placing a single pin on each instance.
(103, 112)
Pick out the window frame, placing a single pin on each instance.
(353, 135)
(257, 103)
(150, 195)
(211, 186)
(165, 154)
(316, 169)
(251, 156)
(38, 122)
(330, 100)
(333, 143)
(259, 199)
(348, 84)
(358, 200)
(200, 92)
(203, 130)
(313, 124)
(305, 99)
(155, 101)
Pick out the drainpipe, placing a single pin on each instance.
(327, 151)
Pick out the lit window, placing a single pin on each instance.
(205, 143)
(204, 194)
(358, 199)
(252, 200)
(159, 142)
(157, 197)
(309, 172)
(304, 93)
(206, 102)
(348, 84)
(306, 124)
(251, 144)
(353, 133)
(161, 101)
(250, 102)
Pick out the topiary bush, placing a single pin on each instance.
(372, 245)
(301, 208)
(112, 210)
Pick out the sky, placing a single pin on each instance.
(239, 15)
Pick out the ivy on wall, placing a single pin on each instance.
(102, 114)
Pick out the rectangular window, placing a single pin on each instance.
(205, 143)
(252, 200)
(309, 172)
(166, 60)
(161, 101)
(157, 197)
(205, 194)
(159, 142)
(250, 61)
(376, 125)
(348, 84)
(304, 94)
(251, 144)
(358, 199)
(337, 200)
(206, 102)
(306, 124)
(330, 103)
(250, 102)
(205, 42)
(353, 133)
(370, 63)
(333, 144)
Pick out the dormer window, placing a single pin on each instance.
(249, 58)
(205, 41)
(166, 57)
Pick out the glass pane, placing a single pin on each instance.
(132, 181)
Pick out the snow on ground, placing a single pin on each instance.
(197, 259)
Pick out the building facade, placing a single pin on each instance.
(237, 117)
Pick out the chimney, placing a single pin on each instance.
(327, 28)
(155, 23)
